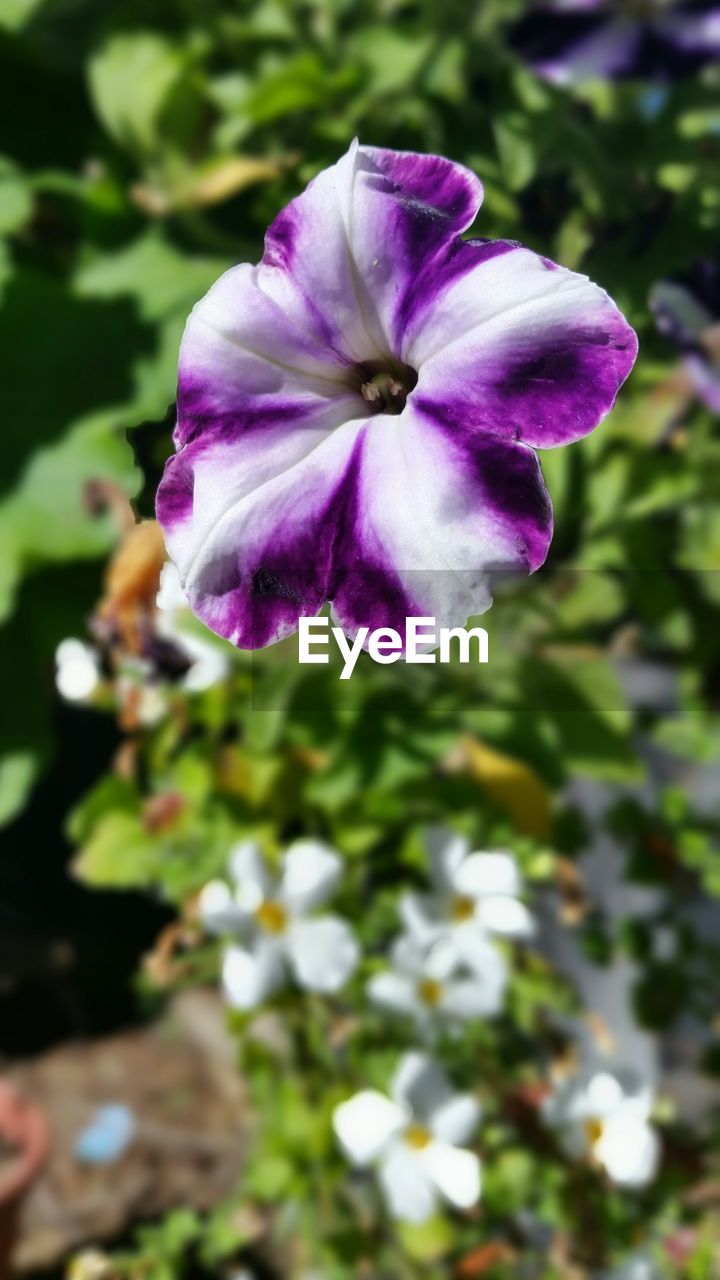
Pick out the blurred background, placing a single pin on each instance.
(144, 148)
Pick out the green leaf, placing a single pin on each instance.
(152, 271)
(46, 519)
(16, 199)
(133, 79)
(18, 771)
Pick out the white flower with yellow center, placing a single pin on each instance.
(270, 921)
(473, 894)
(416, 1138)
(604, 1115)
(435, 988)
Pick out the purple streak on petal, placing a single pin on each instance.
(362, 232)
(425, 286)
(255, 595)
(199, 416)
(432, 185)
(281, 239)
(174, 501)
(546, 384)
(504, 478)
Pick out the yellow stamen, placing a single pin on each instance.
(430, 991)
(417, 1137)
(462, 909)
(594, 1130)
(271, 917)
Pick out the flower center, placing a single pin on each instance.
(430, 992)
(271, 917)
(385, 387)
(462, 909)
(417, 1137)
(594, 1130)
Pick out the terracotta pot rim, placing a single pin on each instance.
(23, 1125)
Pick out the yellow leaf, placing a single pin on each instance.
(513, 785)
(209, 184)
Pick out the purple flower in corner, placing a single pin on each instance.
(358, 413)
(687, 311)
(569, 41)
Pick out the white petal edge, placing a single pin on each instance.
(323, 953)
(365, 1124)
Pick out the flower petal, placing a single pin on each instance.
(521, 348)
(406, 1185)
(456, 1120)
(447, 851)
(420, 1085)
(356, 239)
(629, 1150)
(249, 872)
(487, 873)
(395, 992)
(323, 953)
(311, 872)
(365, 1124)
(250, 976)
(218, 911)
(505, 916)
(479, 997)
(570, 43)
(439, 512)
(694, 30)
(481, 956)
(455, 1173)
(420, 915)
(77, 670)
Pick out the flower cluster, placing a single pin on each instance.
(445, 968)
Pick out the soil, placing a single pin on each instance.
(179, 1079)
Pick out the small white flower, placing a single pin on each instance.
(416, 1138)
(77, 670)
(605, 1115)
(208, 663)
(435, 987)
(269, 920)
(474, 894)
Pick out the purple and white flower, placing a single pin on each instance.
(358, 414)
(416, 1139)
(433, 987)
(474, 894)
(687, 311)
(276, 935)
(604, 1115)
(571, 41)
